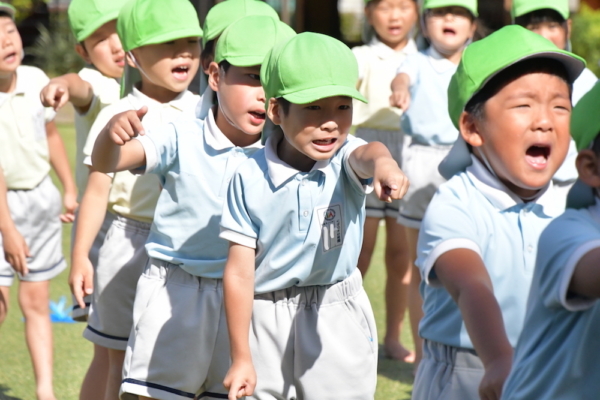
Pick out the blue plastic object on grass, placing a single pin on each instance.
(60, 312)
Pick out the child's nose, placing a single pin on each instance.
(330, 125)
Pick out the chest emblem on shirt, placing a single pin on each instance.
(332, 226)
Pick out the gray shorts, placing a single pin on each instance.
(121, 260)
(36, 214)
(421, 168)
(394, 141)
(447, 373)
(179, 347)
(315, 343)
(78, 313)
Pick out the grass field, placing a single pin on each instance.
(72, 353)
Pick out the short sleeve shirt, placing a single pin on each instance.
(24, 153)
(475, 211)
(427, 120)
(557, 354)
(194, 162)
(306, 227)
(135, 196)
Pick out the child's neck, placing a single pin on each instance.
(294, 158)
(8, 82)
(235, 135)
(395, 46)
(452, 56)
(156, 92)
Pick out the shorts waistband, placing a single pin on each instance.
(457, 356)
(319, 295)
(129, 223)
(161, 269)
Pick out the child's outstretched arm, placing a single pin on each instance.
(463, 274)
(238, 286)
(15, 247)
(586, 277)
(374, 160)
(60, 164)
(69, 87)
(400, 92)
(114, 149)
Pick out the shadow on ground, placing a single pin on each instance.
(394, 370)
(4, 396)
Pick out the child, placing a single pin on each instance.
(550, 18)
(510, 99)
(419, 90)
(178, 311)
(162, 42)
(557, 352)
(391, 24)
(295, 213)
(30, 205)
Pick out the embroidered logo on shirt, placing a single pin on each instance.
(332, 226)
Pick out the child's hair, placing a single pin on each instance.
(475, 106)
(5, 14)
(284, 104)
(208, 50)
(224, 65)
(542, 16)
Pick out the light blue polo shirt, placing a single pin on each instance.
(427, 120)
(194, 161)
(557, 354)
(475, 211)
(306, 227)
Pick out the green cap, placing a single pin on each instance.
(522, 7)
(585, 119)
(483, 59)
(227, 12)
(247, 41)
(290, 70)
(144, 22)
(470, 5)
(8, 9)
(86, 16)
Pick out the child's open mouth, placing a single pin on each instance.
(257, 117)
(181, 72)
(537, 156)
(449, 31)
(10, 57)
(395, 30)
(325, 145)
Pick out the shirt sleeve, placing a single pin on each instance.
(364, 186)
(410, 67)
(448, 225)
(161, 149)
(236, 223)
(103, 117)
(562, 245)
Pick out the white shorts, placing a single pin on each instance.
(36, 214)
(81, 314)
(179, 346)
(421, 168)
(315, 343)
(121, 260)
(394, 141)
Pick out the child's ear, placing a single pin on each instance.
(80, 49)
(205, 63)
(588, 167)
(129, 57)
(214, 76)
(469, 129)
(274, 110)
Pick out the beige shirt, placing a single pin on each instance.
(106, 91)
(135, 196)
(377, 65)
(24, 154)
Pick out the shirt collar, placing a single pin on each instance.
(217, 139)
(280, 171)
(181, 102)
(383, 51)
(502, 198)
(438, 61)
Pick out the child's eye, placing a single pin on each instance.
(256, 77)
(313, 107)
(345, 107)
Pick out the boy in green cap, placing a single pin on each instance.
(30, 205)
(419, 89)
(557, 353)
(511, 100)
(550, 18)
(162, 43)
(300, 323)
(178, 311)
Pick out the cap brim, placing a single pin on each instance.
(8, 10)
(322, 92)
(457, 160)
(244, 61)
(526, 9)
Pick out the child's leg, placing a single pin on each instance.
(94, 383)
(368, 246)
(115, 373)
(415, 303)
(396, 289)
(4, 296)
(33, 299)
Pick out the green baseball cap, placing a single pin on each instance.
(86, 16)
(522, 7)
(144, 22)
(585, 119)
(227, 12)
(290, 70)
(470, 5)
(8, 9)
(247, 41)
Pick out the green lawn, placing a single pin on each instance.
(72, 353)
